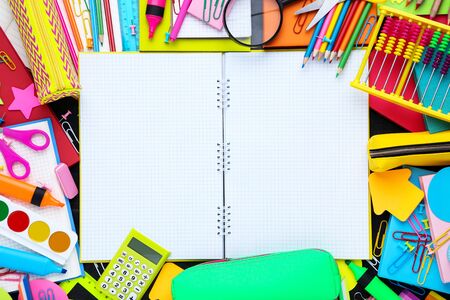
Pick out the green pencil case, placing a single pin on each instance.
(304, 274)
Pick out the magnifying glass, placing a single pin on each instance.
(266, 18)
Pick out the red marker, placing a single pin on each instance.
(154, 14)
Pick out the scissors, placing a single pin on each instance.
(26, 138)
(323, 7)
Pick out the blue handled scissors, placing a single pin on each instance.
(26, 138)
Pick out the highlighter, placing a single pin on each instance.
(27, 262)
(371, 283)
(154, 14)
(19, 190)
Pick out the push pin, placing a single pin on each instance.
(421, 209)
(66, 115)
(425, 224)
(410, 247)
(2, 119)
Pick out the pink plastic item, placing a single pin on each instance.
(66, 181)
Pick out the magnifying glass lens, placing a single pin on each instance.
(253, 26)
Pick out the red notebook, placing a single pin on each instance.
(20, 79)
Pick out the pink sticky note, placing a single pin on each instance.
(437, 228)
(198, 10)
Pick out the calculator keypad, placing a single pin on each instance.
(127, 277)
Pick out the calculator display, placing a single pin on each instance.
(144, 250)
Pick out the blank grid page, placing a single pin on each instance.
(149, 132)
(298, 138)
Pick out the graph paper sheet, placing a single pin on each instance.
(298, 172)
(42, 164)
(150, 126)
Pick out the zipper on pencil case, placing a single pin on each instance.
(45, 38)
(411, 150)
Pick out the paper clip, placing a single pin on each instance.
(215, 15)
(410, 237)
(425, 224)
(374, 263)
(417, 227)
(379, 241)
(175, 7)
(439, 242)
(413, 289)
(427, 261)
(419, 253)
(4, 57)
(367, 29)
(359, 296)
(401, 260)
(301, 20)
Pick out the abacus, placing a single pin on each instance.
(414, 45)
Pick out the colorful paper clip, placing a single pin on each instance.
(417, 227)
(414, 289)
(301, 20)
(426, 265)
(366, 31)
(419, 253)
(379, 241)
(4, 58)
(402, 259)
(374, 263)
(439, 242)
(410, 237)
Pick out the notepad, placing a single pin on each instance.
(42, 166)
(222, 155)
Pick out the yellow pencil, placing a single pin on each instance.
(329, 32)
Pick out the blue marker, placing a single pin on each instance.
(312, 42)
(336, 30)
(94, 22)
(27, 262)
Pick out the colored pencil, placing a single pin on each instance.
(351, 28)
(353, 38)
(330, 29)
(93, 12)
(419, 3)
(448, 18)
(312, 42)
(109, 26)
(348, 19)
(73, 25)
(101, 30)
(323, 31)
(72, 51)
(337, 28)
(435, 8)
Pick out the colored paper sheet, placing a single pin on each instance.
(408, 119)
(188, 45)
(424, 9)
(392, 249)
(293, 30)
(20, 79)
(437, 227)
(392, 191)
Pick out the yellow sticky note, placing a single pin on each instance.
(162, 289)
(189, 45)
(392, 191)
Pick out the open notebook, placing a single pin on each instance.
(222, 155)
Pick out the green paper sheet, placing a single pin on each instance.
(424, 9)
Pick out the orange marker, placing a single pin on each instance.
(350, 29)
(16, 189)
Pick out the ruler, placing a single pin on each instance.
(129, 24)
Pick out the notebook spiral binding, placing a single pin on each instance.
(223, 149)
(223, 157)
(223, 220)
(223, 94)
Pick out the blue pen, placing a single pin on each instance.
(27, 262)
(312, 42)
(336, 30)
(93, 11)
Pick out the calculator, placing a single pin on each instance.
(133, 268)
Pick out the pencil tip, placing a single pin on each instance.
(303, 65)
(337, 74)
(324, 60)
